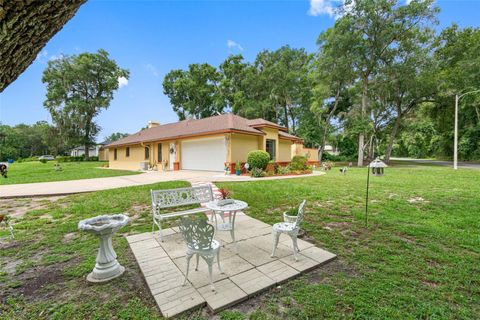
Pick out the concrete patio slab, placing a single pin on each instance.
(248, 267)
(278, 271)
(178, 300)
(303, 263)
(226, 294)
(252, 281)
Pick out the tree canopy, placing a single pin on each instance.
(382, 81)
(78, 88)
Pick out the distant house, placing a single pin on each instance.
(211, 144)
(94, 151)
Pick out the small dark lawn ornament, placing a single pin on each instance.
(3, 169)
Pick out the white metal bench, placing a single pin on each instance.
(162, 199)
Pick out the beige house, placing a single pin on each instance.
(205, 144)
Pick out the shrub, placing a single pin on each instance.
(93, 158)
(336, 158)
(43, 160)
(30, 159)
(283, 170)
(257, 173)
(298, 163)
(292, 211)
(258, 159)
(272, 167)
(62, 159)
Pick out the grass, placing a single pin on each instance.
(418, 258)
(29, 172)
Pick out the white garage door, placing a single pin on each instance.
(204, 154)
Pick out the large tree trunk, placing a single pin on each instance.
(87, 152)
(285, 111)
(325, 130)
(25, 28)
(393, 135)
(361, 137)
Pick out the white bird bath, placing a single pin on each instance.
(107, 266)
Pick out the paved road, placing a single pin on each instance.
(87, 185)
(461, 164)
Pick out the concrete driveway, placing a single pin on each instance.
(88, 185)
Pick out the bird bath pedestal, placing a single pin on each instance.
(107, 266)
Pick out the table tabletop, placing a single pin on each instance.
(235, 206)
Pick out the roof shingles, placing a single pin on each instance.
(217, 124)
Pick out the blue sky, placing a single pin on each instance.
(150, 38)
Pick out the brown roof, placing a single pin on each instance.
(259, 122)
(217, 124)
(288, 136)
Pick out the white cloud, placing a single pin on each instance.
(318, 7)
(153, 70)
(122, 82)
(232, 44)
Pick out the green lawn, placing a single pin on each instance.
(29, 172)
(419, 257)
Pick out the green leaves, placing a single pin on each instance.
(194, 92)
(78, 88)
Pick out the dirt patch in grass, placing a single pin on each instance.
(325, 272)
(417, 200)
(16, 208)
(341, 225)
(33, 280)
(69, 237)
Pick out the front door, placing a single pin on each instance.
(171, 160)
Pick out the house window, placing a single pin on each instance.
(270, 146)
(115, 154)
(147, 153)
(159, 152)
(127, 152)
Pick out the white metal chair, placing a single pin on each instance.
(198, 234)
(291, 229)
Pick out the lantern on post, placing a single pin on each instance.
(377, 166)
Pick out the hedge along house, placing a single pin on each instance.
(209, 144)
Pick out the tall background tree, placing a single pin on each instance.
(369, 30)
(194, 93)
(382, 81)
(116, 136)
(78, 88)
(24, 141)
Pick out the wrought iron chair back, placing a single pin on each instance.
(181, 196)
(300, 214)
(197, 233)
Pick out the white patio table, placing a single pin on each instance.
(232, 209)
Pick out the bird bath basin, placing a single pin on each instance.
(107, 266)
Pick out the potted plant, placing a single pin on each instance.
(238, 168)
(224, 197)
(290, 215)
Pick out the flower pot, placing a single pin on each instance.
(288, 218)
(238, 172)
